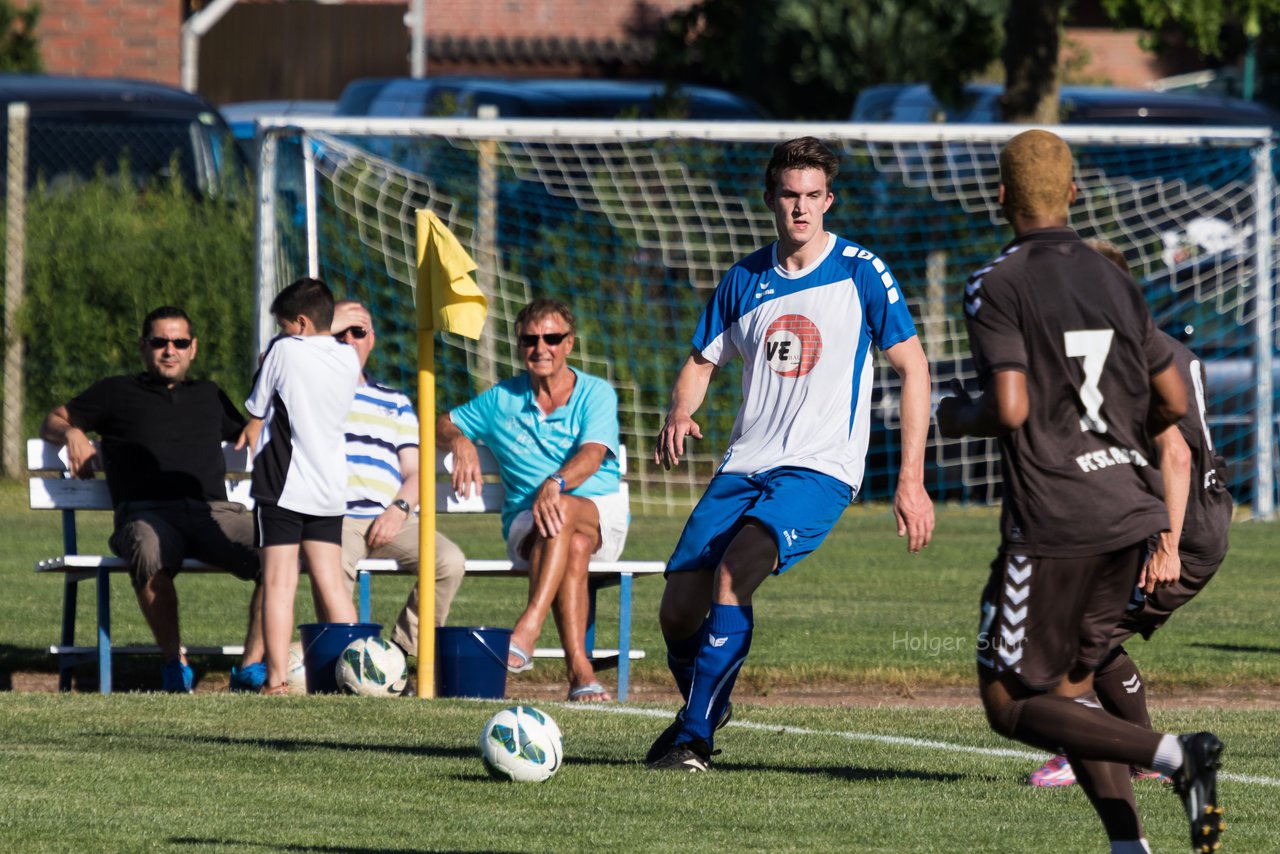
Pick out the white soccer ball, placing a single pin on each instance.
(296, 675)
(521, 744)
(371, 667)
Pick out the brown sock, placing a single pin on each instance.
(1110, 790)
(1120, 689)
(1079, 727)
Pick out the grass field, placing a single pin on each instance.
(142, 772)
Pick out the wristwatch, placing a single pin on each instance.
(403, 505)
(558, 478)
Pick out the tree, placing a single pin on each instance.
(1032, 38)
(809, 58)
(1033, 30)
(19, 48)
(1204, 23)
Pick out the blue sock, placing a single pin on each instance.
(728, 639)
(680, 657)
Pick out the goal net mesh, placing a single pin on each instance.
(634, 232)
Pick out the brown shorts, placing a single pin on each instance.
(158, 535)
(1146, 613)
(1044, 617)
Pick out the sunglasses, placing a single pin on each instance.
(552, 339)
(353, 331)
(158, 343)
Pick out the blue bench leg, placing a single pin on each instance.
(362, 579)
(624, 636)
(104, 632)
(66, 663)
(589, 638)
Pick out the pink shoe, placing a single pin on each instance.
(1056, 772)
(1146, 774)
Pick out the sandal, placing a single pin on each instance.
(526, 660)
(592, 692)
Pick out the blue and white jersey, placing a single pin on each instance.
(805, 339)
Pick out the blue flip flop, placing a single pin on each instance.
(526, 660)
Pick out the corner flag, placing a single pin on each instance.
(447, 297)
(447, 301)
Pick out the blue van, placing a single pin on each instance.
(542, 98)
(1080, 105)
(79, 126)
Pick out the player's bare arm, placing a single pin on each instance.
(1168, 400)
(58, 429)
(686, 396)
(1174, 458)
(548, 504)
(1000, 409)
(912, 506)
(466, 459)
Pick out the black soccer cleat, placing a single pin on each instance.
(667, 739)
(689, 757)
(1196, 782)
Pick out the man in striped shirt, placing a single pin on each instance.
(382, 483)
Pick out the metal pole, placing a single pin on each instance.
(309, 183)
(265, 227)
(1264, 334)
(486, 247)
(418, 39)
(15, 264)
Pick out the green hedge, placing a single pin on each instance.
(100, 255)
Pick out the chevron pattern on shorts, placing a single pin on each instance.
(1013, 625)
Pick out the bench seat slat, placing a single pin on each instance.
(75, 563)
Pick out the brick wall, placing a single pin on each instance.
(581, 19)
(113, 38)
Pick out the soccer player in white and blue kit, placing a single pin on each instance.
(802, 313)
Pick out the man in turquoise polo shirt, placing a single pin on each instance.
(554, 432)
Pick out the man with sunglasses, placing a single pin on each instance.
(162, 440)
(554, 432)
(382, 483)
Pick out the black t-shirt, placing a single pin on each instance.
(1077, 326)
(159, 443)
(1204, 530)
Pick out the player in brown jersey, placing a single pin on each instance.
(1075, 379)
(1199, 515)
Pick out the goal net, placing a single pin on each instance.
(633, 223)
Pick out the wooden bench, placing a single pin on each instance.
(601, 574)
(52, 488)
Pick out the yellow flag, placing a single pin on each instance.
(447, 297)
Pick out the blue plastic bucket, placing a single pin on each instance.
(322, 644)
(471, 661)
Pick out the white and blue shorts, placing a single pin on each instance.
(798, 507)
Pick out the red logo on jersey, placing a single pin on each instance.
(792, 345)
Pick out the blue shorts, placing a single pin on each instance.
(799, 507)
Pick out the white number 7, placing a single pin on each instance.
(1092, 345)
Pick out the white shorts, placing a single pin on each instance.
(615, 518)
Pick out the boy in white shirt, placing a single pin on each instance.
(299, 402)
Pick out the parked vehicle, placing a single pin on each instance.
(542, 98)
(1080, 105)
(80, 126)
(240, 116)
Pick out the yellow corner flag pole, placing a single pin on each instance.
(447, 301)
